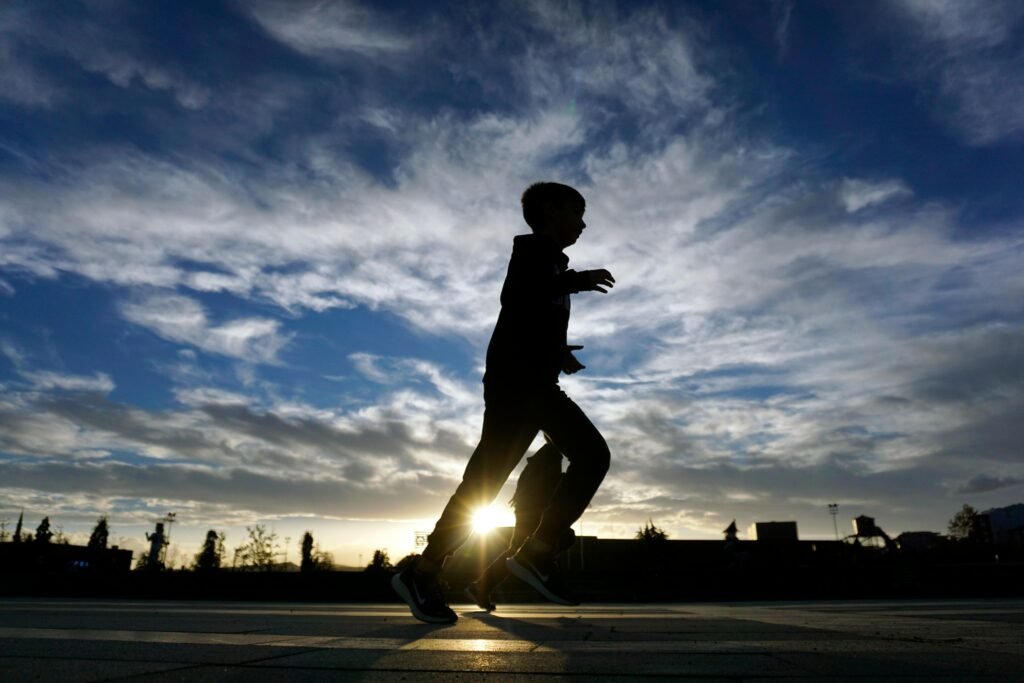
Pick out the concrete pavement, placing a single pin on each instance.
(89, 640)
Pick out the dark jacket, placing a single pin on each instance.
(528, 343)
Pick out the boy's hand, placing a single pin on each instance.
(569, 363)
(598, 279)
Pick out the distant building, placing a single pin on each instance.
(62, 558)
(1005, 524)
(918, 541)
(773, 531)
(865, 526)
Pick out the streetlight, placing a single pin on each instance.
(833, 509)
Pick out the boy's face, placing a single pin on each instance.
(564, 223)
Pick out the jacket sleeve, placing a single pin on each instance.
(532, 278)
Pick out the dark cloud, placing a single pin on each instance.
(286, 494)
(984, 483)
(271, 464)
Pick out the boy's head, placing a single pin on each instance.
(554, 210)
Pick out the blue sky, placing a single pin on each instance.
(250, 257)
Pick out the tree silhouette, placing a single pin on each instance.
(313, 558)
(3, 530)
(650, 533)
(307, 564)
(966, 525)
(43, 533)
(100, 534)
(17, 529)
(411, 558)
(380, 562)
(259, 552)
(211, 556)
(142, 564)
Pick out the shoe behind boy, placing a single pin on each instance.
(538, 569)
(422, 592)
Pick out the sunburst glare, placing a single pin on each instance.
(486, 519)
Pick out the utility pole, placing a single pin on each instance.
(833, 509)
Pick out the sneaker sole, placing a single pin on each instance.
(534, 582)
(490, 607)
(399, 587)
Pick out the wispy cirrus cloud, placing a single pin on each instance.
(184, 320)
(859, 194)
(968, 53)
(331, 29)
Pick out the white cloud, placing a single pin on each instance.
(53, 380)
(328, 28)
(183, 320)
(858, 194)
(127, 71)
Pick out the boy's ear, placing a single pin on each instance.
(550, 208)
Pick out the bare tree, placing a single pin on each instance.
(259, 552)
(142, 563)
(966, 525)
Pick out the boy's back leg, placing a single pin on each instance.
(506, 436)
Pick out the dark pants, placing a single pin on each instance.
(512, 418)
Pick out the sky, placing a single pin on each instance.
(251, 253)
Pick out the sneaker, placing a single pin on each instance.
(475, 593)
(422, 592)
(541, 572)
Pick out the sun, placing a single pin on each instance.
(486, 519)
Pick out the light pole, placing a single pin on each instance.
(833, 509)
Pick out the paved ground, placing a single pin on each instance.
(83, 640)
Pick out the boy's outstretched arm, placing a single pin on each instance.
(599, 280)
(529, 278)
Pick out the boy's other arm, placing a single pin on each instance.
(570, 364)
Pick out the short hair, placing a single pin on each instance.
(539, 195)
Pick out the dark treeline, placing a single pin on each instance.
(651, 566)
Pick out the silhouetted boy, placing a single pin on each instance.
(527, 352)
(534, 491)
